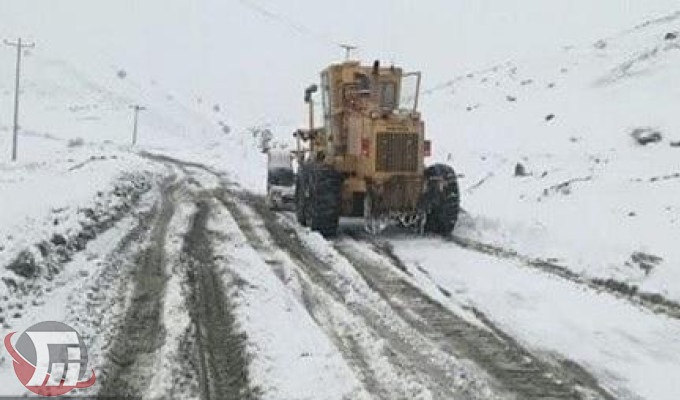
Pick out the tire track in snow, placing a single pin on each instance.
(513, 368)
(177, 361)
(408, 365)
(292, 357)
(517, 370)
(349, 347)
(140, 333)
(223, 360)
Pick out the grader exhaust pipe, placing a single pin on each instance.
(308, 99)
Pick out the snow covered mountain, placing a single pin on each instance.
(550, 159)
(568, 156)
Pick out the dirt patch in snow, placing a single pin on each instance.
(48, 257)
(223, 359)
(141, 332)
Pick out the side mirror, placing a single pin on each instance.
(308, 93)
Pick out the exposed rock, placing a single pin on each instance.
(77, 243)
(600, 44)
(43, 248)
(225, 128)
(565, 188)
(617, 286)
(24, 265)
(646, 262)
(520, 170)
(11, 284)
(654, 298)
(89, 213)
(644, 136)
(87, 234)
(76, 142)
(58, 240)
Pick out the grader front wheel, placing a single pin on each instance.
(441, 199)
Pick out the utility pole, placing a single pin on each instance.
(15, 136)
(137, 108)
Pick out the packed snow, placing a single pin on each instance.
(567, 153)
(630, 350)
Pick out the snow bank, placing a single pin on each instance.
(628, 349)
(592, 196)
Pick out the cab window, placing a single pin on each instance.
(388, 95)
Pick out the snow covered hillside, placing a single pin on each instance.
(77, 171)
(550, 163)
(561, 279)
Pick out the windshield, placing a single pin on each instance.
(388, 96)
(281, 177)
(410, 88)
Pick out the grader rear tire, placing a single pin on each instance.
(300, 197)
(319, 199)
(441, 199)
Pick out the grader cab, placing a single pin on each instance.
(367, 157)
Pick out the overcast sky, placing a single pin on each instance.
(256, 56)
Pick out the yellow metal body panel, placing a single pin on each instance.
(378, 146)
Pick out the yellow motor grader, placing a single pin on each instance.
(367, 158)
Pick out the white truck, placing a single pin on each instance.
(280, 180)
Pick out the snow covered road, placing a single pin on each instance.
(627, 346)
(202, 292)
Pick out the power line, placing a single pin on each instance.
(288, 22)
